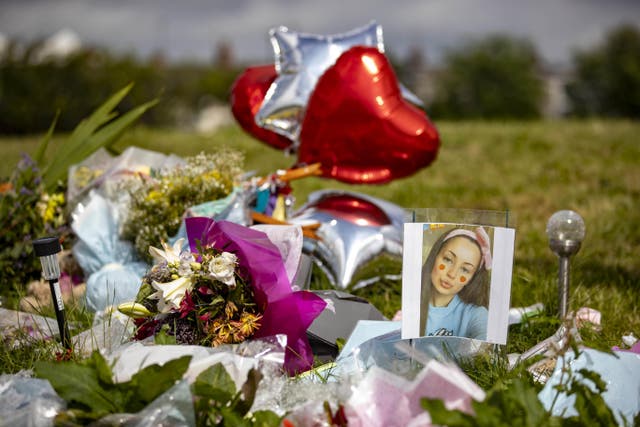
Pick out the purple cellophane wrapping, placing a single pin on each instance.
(284, 311)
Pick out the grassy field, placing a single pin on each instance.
(531, 169)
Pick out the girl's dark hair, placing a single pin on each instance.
(475, 292)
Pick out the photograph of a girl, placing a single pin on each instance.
(455, 285)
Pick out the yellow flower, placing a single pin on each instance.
(230, 309)
(221, 332)
(249, 323)
(154, 195)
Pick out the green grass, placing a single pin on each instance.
(532, 169)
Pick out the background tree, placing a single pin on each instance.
(31, 92)
(607, 78)
(496, 77)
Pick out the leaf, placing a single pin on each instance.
(249, 389)
(77, 383)
(163, 338)
(103, 370)
(111, 132)
(216, 384)
(91, 134)
(231, 418)
(595, 377)
(152, 381)
(592, 409)
(440, 415)
(44, 142)
(265, 419)
(89, 125)
(590, 405)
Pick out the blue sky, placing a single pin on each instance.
(190, 29)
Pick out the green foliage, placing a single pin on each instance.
(33, 204)
(90, 392)
(27, 212)
(494, 78)
(100, 129)
(607, 78)
(514, 401)
(19, 350)
(513, 404)
(218, 403)
(531, 168)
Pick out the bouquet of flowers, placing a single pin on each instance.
(157, 202)
(198, 299)
(27, 211)
(229, 286)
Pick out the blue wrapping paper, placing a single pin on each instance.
(620, 371)
(112, 269)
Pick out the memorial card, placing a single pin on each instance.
(456, 280)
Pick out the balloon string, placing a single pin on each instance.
(308, 230)
(297, 173)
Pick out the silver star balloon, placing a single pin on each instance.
(355, 228)
(300, 60)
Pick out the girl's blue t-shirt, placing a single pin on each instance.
(458, 319)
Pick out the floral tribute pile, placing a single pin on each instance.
(158, 199)
(229, 286)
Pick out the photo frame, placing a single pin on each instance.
(471, 264)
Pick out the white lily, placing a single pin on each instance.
(170, 294)
(223, 268)
(169, 254)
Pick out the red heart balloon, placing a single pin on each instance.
(352, 208)
(247, 94)
(358, 126)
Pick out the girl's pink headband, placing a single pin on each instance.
(479, 236)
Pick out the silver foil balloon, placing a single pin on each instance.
(300, 60)
(355, 228)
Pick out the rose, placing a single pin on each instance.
(222, 268)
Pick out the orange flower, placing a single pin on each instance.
(249, 323)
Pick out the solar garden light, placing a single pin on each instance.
(46, 249)
(565, 230)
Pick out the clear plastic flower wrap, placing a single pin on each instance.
(102, 171)
(26, 401)
(173, 408)
(388, 351)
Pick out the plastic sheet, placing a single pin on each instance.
(173, 408)
(621, 373)
(102, 171)
(113, 271)
(110, 330)
(26, 401)
(375, 397)
(15, 322)
(238, 359)
(383, 399)
(390, 352)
